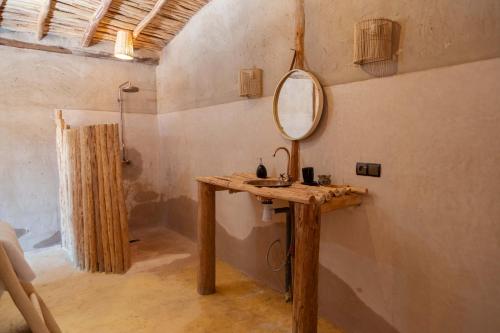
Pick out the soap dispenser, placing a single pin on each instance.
(261, 170)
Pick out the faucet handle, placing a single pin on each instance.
(284, 177)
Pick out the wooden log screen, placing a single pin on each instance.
(94, 226)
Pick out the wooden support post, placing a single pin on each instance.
(77, 195)
(104, 265)
(206, 238)
(100, 152)
(108, 198)
(113, 144)
(99, 251)
(123, 221)
(87, 206)
(74, 218)
(300, 24)
(305, 286)
(148, 18)
(65, 224)
(294, 161)
(98, 15)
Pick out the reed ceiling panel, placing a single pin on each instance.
(70, 18)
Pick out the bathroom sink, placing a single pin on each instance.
(268, 183)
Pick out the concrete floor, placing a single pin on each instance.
(158, 294)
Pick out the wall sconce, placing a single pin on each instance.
(251, 82)
(124, 45)
(372, 41)
(376, 42)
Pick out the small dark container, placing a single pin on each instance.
(261, 170)
(324, 179)
(308, 175)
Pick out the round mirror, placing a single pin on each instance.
(298, 104)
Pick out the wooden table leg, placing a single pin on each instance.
(305, 288)
(206, 238)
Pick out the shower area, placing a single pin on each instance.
(93, 186)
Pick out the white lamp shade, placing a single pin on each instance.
(124, 45)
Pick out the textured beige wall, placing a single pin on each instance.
(421, 254)
(32, 85)
(200, 66)
(42, 81)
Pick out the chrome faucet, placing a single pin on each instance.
(285, 177)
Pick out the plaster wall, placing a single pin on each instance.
(421, 254)
(32, 85)
(200, 67)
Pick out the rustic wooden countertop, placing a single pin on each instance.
(331, 197)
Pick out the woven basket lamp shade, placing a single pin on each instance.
(372, 41)
(124, 45)
(251, 82)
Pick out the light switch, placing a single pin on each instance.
(374, 169)
(368, 169)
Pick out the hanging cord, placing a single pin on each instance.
(287, 255)
(281, 265)
(293, 59)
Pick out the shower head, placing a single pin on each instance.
(130, 89)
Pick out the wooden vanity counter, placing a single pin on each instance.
(308, 203)
(329, 198)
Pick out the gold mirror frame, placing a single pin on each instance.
(318, 110)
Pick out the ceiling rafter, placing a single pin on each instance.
(86, 22)
(42, 17)
(94, 22)
(149, 17)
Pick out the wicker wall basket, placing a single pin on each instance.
(373, 41)
(251, 82)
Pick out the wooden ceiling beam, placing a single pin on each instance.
(42, 17)
(75, 51)
(147, 19)
(94, 22)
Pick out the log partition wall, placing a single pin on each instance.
(94, 226)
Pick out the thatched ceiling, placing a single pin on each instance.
(73, 18)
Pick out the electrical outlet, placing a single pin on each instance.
(368, 169)
(374, 169)
(362, 169)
